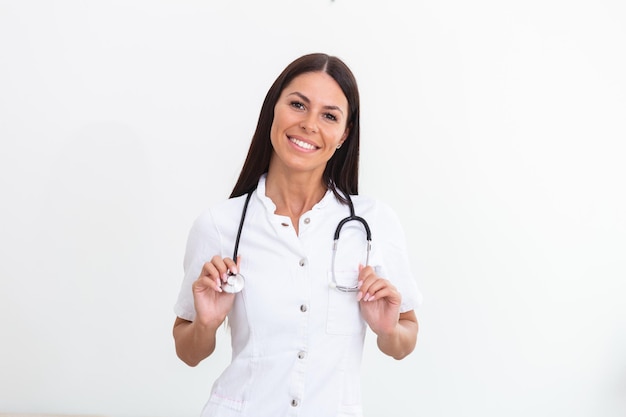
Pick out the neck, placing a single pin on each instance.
(294, 194)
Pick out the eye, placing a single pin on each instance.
(297, 105)
(330, 117)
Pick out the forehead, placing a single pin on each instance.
(317, 87)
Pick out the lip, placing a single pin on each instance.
(294, 139)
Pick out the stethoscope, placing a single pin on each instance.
(235, 282)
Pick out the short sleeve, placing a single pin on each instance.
(203, 243)
(396, 258)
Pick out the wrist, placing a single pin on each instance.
(387, 334)
(204, 327)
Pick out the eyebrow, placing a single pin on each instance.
(307, 101)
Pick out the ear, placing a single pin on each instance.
(344, 136)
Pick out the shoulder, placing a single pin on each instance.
(225, 208)
(218, 214)
(379, 214)
(211, 225)
(374, 206)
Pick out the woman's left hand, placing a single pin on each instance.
(380, 301)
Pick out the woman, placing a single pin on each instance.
(298, 324)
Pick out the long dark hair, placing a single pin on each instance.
(342, 170)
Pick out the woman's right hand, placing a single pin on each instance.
(212, 303)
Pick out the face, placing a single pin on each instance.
(310, 120)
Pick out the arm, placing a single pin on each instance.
(195, 340)
(403, 339)
(380, 307)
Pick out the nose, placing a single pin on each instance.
(308, 124)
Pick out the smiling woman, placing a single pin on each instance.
(312, 105)
(309, 126)
(297, 323)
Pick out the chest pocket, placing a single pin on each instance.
(344, 313)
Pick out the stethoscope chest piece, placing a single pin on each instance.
(234, 283)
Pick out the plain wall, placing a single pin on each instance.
(496, 129)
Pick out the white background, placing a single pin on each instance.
(496, 129)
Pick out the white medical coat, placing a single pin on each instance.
(296, 342)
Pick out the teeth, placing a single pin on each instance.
(302, 144)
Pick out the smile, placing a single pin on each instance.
(302, 144)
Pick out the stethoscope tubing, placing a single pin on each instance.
(368, 235)
(235, 282)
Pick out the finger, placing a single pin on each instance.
(378, 294)
(366, 272)
(221, 267)
(210, 270)
(386, 291)
(367, 277)
(204, 282)
(369, 288)
(231, 265)
(378, 288)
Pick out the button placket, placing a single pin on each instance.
(298, 373)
